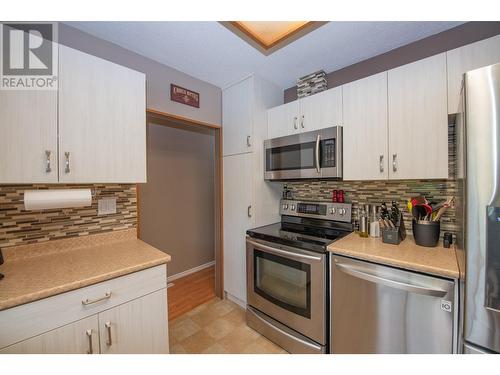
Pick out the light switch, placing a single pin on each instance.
(106, 206)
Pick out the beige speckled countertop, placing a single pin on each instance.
(37, 271)
(437, 260)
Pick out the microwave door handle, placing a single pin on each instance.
(318, 139)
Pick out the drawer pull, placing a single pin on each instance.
(108, 328)
(91, 301)
(89, 336)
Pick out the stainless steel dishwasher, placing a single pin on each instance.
(380, 309)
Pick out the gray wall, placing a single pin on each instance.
(467, 33)
(177, 204)
(158, 76)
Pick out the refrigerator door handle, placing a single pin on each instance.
(350, 270)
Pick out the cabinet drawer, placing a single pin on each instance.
(25, 321)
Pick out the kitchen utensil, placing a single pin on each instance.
(418, 212)
(440, 213)
(426, 233)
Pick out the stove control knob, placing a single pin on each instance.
(342, 212)
(285, 207)
(293, 207)
(332, 210)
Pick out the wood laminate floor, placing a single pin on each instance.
(190, 291)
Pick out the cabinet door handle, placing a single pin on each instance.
(394, 162)
(381, 163)
(89, 336)
(302, 122)
(108, 329)
(48, 169)
(249, 211)
(248, 141)
(66, 162)
(91, 301)
(295, 123)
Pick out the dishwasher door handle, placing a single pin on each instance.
(390, 283)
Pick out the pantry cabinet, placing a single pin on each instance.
(465, 58)
(314, 112)
(249, 200)
(237, 117)
(238, 218)
(92, 130)
(365, 129)
(418, 120)
(102, 120)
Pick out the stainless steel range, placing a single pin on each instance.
(287, 274)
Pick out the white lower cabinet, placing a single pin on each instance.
(124, 315)
(80, 337)
(137, 327)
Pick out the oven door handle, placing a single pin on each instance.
(316, 152)
(283, 253)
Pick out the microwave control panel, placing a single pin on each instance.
(328, 157)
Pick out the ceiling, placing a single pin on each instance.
(212, 53)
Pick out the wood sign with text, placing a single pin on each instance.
(184, 96)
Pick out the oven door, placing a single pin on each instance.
(289, 285)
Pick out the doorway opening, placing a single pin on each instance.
(180, 207)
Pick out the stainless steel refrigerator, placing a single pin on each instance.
(478, 174)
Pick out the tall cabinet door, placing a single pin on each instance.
(28, 137)
(283, 120)
(102, 120)
(469, 57)
(418, 120)
(136, 327)
(80, 337)
(237, 117)
(321, 110)
(238, 218)
(365, 129)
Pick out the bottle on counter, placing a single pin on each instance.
(363, 224)
(374, 223)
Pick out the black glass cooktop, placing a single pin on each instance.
(308, 234)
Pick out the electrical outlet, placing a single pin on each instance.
(106, 206)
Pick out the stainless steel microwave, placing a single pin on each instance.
(314, 154)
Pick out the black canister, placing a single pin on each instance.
(426, 233)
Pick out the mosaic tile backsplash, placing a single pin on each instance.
(376, 192)
(18, 226)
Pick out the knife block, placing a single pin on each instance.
(395, 235)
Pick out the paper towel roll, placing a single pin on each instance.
(57, 198)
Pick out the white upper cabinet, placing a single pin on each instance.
(28, 137)
(469, 57)
(321, 110)
(237, 117)
(314, 112)
(283, 120)
(365, 129)
(102, 120)
(418, 120)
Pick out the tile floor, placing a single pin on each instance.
(217, 327)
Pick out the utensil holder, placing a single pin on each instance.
(426, 233)
(395, 235)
